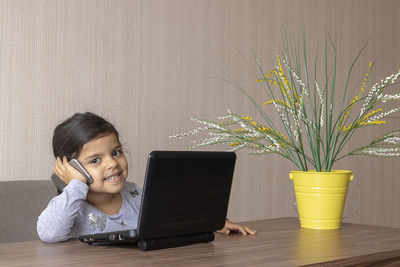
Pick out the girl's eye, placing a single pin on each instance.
(116, 153)
(94, 161)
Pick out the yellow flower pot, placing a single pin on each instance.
(320, 197)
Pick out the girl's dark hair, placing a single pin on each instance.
(70, 136)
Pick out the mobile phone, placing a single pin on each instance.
(77, 165)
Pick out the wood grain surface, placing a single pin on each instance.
(279, 242)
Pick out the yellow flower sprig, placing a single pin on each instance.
(355, 99)
(282, 83)
(241, 130)
(277, 101)
(371, 113)
(269, 79)
(261, 128)
(365, 79)
(364, 121)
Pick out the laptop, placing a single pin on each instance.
(185, 199)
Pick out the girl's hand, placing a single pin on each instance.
(66, 172)
(235, 227)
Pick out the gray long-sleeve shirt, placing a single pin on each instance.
(69, 214)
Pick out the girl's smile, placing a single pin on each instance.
(113, 178)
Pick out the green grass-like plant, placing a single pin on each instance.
(313, 127)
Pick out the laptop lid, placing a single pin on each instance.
(185, 192)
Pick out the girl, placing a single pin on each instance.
(109, 203)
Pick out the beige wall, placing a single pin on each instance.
(148, 66)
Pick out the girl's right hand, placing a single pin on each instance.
(66, 172)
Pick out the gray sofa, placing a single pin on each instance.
(21, 202)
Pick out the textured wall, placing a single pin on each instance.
(148, 66)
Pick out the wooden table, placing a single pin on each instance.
(280, 242)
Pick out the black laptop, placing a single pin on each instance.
(185, 199)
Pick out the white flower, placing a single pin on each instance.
(321, 100)
(385, 98)
(382, 151)
(392, 140)
(190, 132)
(303, 89)
(377, 88)
(380, 116)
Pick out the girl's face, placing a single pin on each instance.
(105, 161)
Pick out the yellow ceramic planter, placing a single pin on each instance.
(320, 197)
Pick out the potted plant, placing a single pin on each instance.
(314, 127)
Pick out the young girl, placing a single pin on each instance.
(108, 204)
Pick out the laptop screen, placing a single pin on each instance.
(185, 192)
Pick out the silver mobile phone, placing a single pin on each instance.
(77, 165)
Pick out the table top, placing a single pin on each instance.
(279, 242)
